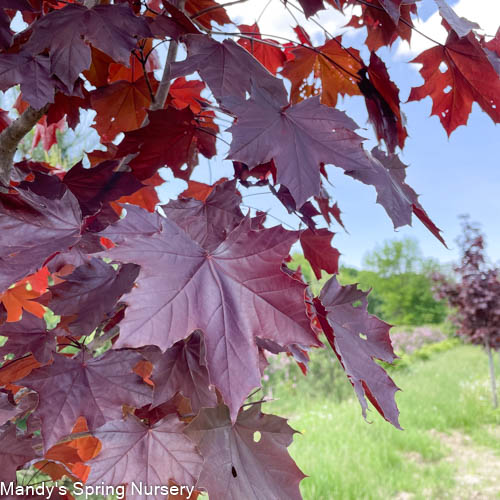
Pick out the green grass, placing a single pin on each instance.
(347, 458)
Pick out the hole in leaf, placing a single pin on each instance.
(443, 67)
(363, 336)
(233, 471)
(447, 89)
(356, 303)
(256, 436)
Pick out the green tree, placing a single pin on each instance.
(402, 288)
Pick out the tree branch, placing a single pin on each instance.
(12, 135)
(164, 87)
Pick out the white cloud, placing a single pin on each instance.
(484, 12)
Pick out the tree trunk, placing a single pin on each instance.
(492, 376)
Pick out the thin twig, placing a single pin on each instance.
(270, 215)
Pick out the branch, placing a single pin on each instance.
(164, 87)
(12, 135)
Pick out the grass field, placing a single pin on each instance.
(347, 458)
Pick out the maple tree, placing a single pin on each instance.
(474, 295)
(135, 332)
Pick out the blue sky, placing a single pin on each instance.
(453, 176)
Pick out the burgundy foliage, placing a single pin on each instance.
(475, 294)
(159, 320)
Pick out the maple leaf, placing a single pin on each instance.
(270, 57)
(319, 252)
(15, 451)
(134, 452)
(90, 292)
(121, 106)
(299, 138)
(33, 229)
(184, 93)
(95, 388)
(204, 291)
(111, 28)
(208, 222)
(182, 368)
(219, 15)
(32, 73)
(29, 335)
(227, 68)
(379, 18)
(382, 104)
(19, 298)
(235, 465)
(100, 184)
(172, 137)
(336, 67)
(469, 78)
(358, 337)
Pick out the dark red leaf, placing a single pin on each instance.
(135, 453)
(33, 229)
(319, 251)
(15, 451)
(226, 68)
(208, 222)
(90, 292)
(357, 338)
(299, 138)
(111, 28)
(205, 290)
(182, 368)
(469, 78)
(95, 388)
(172, 137)
(382, 103)
(100, 184)
(236, 464)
